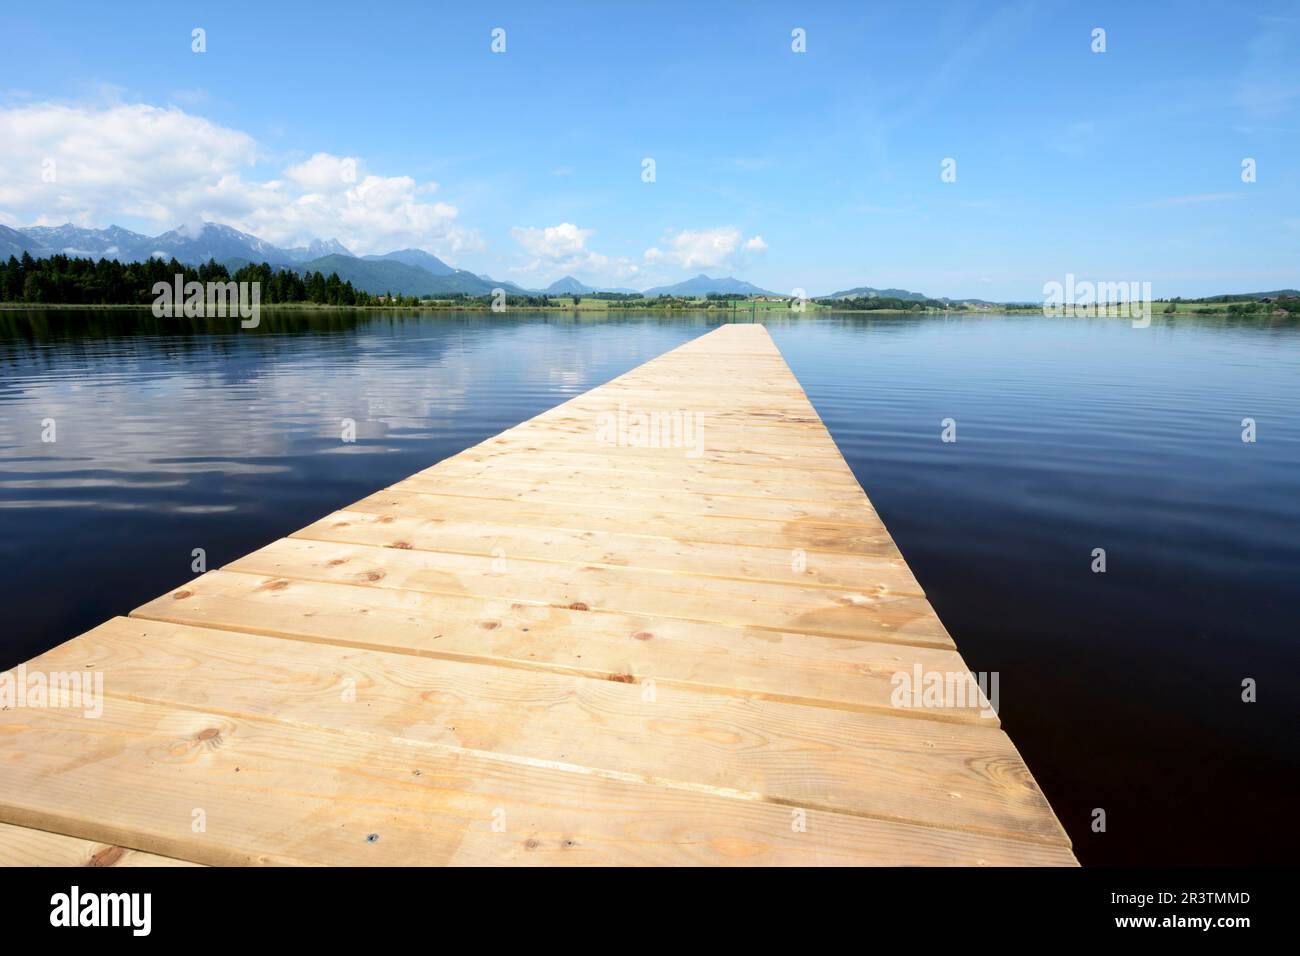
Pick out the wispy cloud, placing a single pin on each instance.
(190, 98)
(1268, 86)
(1075, 138)
(1192, 200)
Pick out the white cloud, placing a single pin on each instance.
(63, 162)
(372, 214)
(161, 167)
(552, 242)
(562, 249)
(324, 173)
(706, 248)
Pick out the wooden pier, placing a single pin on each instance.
(658, 624)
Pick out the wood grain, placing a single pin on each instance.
(23, 846)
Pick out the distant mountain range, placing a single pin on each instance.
(13, 242)
(209, 241)
(416, 258)
(1237, 297)
(568, 286)
(704, 285)
(571, 286)
(867, 292)
(382, 274)
(402, 272)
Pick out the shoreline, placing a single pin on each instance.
(578, 310)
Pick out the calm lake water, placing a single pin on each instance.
(1122, 690)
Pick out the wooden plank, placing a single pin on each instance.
(961, 776)
(716, 451)
(641, 500)
(603, 548)
(730, 660)
(562, 470)
(865, 614)
(798, 533)
(23, 846)
(610, 458)
(265, 792)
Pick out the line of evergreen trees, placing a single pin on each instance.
(74, 281)
(879, 303)
(1290, 305)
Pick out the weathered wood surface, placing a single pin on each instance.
(547, 649)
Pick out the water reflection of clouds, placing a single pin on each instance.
(169, 419)
(18, 504)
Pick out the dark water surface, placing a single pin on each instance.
(1122, 690)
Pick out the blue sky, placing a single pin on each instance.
(816, 170)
